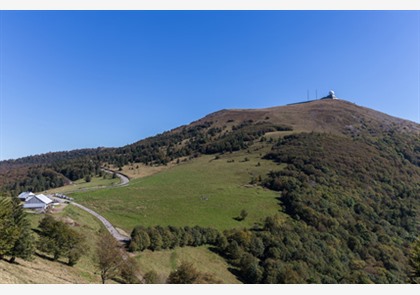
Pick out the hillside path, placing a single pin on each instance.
(108, 225)
(124, 179)
(119, 237)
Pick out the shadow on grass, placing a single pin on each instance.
(10, 260)
(43, 256)
(238, 218)
(236, 273)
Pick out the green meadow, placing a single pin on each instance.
(207, 191)
(165, 261)
(81, 185)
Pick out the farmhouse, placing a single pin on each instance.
(25, 195)
(32, 201)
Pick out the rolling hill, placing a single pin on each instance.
(331, 190)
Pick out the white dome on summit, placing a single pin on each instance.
(332, 94)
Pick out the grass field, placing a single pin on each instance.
(81, 185)
(204, 191)
(165, 261)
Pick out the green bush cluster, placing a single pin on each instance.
(159, 237)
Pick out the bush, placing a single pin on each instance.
(151, 277)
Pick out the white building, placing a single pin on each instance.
(25, 195)
(331, 95)
(37, 202)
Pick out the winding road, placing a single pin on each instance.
(108, 225)
(124, 179)
(119, 237)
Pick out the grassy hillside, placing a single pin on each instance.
(81, 185)
(165, 261)
(204, 191)
(42, 270)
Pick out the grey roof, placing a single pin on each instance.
(25, 195)
(43, 198)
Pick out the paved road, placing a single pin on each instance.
(107, 224)
(124, 179)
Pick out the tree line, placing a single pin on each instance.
(159, 237)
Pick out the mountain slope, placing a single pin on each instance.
(347, 178)
(222, 131)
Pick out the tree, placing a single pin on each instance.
(242, 215)
(167, 237)
(88, 178)
(233, 250)
(128, 270)
(197, 237)
(222, 242)
(109, 258)
(250, 271)
(24, 244)
(8, 231)
(415, 259)
(256, 246)
(58, 239)
(155, 239)
(140, 239)
(75, 246)
(184, 274)
(151, 277)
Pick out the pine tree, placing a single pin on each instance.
(24, 245)
(8, 231)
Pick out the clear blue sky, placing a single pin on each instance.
(82, 79)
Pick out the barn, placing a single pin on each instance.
(40, 202)
(25, 195)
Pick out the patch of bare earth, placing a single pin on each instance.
(58, 208)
